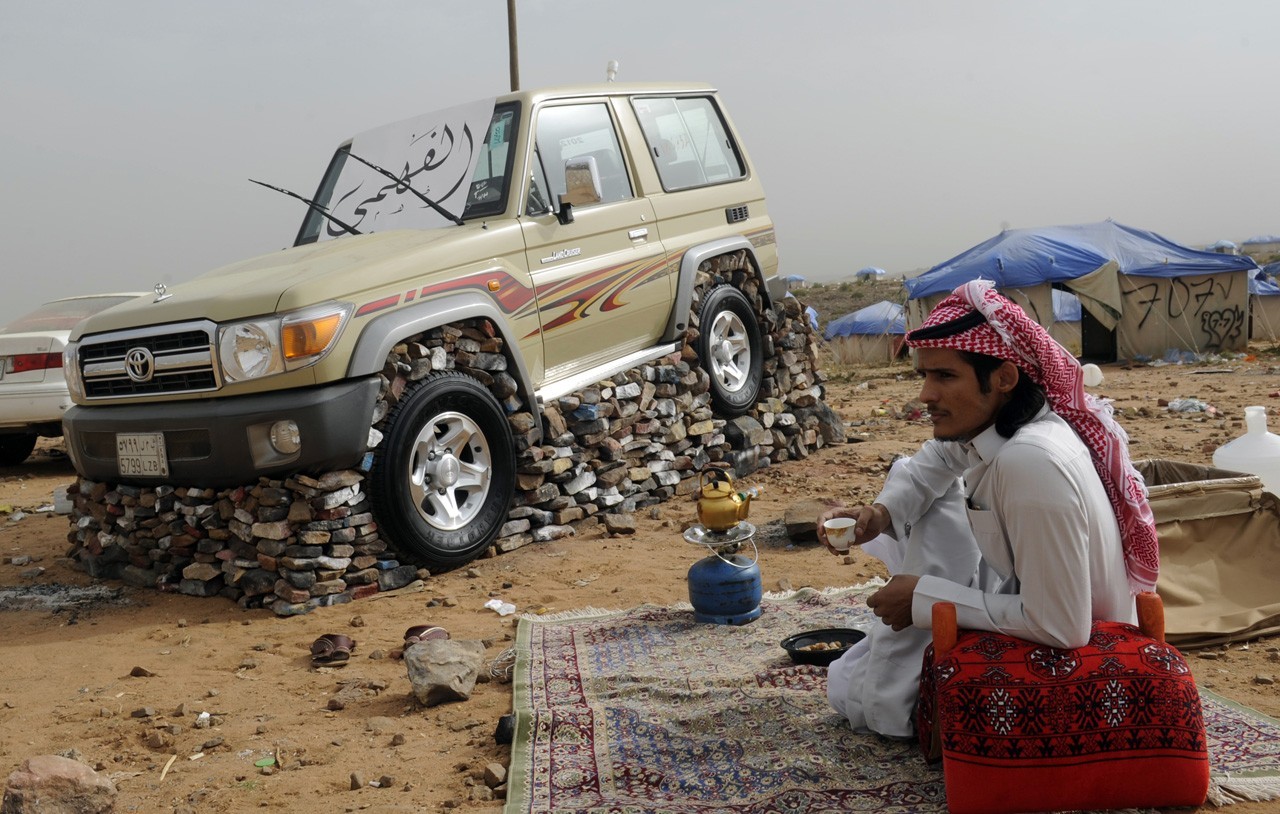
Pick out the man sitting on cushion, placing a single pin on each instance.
(1059, 515)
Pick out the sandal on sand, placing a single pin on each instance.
(422, 633)
(332, 649)
(419, 633)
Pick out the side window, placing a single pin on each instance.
(488, 192)
(688, 141)
(569, 131)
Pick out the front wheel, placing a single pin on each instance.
(729, 347)
(443, 476)
(14, 449)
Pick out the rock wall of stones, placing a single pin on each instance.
(310, 540)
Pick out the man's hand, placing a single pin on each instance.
(892, 603)
(871, 522)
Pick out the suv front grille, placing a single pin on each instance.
(150, 361)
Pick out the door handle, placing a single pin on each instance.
(638, 234)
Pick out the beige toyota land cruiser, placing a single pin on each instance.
(556, 235)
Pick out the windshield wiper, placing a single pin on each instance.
(404, 182)
(317, 207)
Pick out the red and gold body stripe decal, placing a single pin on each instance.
(511, 296)
(605, 287)
(603, 290)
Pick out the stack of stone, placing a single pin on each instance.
(638, 439)
(290, 545)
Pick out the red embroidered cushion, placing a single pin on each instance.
(1024, 727)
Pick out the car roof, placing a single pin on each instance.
(607, 89)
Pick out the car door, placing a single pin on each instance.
(602, 282)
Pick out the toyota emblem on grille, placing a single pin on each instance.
(140, 364)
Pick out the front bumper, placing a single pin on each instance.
(216, 443)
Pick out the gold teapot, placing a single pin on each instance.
(720, 505)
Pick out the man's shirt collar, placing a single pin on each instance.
(987, 444)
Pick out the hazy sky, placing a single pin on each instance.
(893, 134)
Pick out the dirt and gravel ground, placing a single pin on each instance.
(118, 677)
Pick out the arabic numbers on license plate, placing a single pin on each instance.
(142, 454)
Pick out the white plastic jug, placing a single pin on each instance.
(1257, 452)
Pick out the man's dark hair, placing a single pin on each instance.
(1024, 402)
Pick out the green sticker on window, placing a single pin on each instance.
(498, 132)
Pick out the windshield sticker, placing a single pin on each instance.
(499, 133)
(435, 153)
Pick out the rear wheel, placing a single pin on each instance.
(729, 347)
(443, 476)
(14, 449)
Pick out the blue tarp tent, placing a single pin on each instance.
(1264, 307)
(870, 273)
(870, 334)
(881, 318)
(1263, 286)
(1027, 257)
(1146, 293)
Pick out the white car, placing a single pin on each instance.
(33, 391)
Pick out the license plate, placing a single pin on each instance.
(142, 454)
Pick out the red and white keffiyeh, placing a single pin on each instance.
(1010, 334)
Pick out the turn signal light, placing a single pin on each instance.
(302, 339)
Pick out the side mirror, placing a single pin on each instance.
(581, 184)
(581, 181)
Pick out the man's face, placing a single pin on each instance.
(957, 406)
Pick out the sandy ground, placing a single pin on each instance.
(66, 683)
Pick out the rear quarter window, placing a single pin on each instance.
(688, 141)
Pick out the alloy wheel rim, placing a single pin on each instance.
(450, 470)
(730, 351)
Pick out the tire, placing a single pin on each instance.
(729, 347)
(14, 449)
(448, 430)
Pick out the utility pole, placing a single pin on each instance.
(512, 45)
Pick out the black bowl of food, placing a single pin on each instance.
(821, 646)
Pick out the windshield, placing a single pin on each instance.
(63, 315)
(436, 154)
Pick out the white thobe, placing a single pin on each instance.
(875, 683)
(1051, 558)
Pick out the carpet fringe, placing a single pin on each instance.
(591, 611)
(1225, 790)
(874, 582)
(562, 616)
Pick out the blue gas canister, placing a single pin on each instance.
(725, 587)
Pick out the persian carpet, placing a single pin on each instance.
(646, 710)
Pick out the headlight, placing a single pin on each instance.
(71, 371)
(265, 347)
(250, 350)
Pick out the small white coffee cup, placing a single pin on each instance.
(840, 532)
